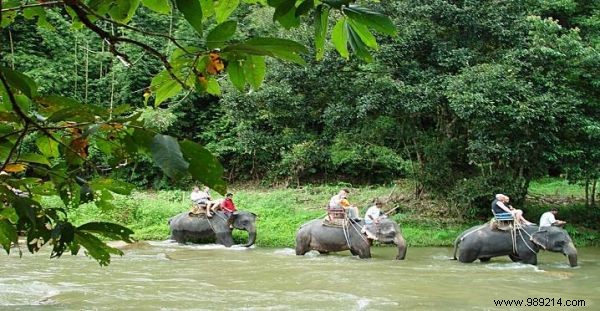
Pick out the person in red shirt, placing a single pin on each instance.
(226, 205)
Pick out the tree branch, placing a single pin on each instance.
(144, 32)
(25, 6)
(82, 13)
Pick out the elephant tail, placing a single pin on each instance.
(456, 242)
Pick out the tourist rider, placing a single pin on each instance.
(200, 197)
(500, 206)
(226, 205)
(340, 200)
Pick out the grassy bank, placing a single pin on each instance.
(282, 211)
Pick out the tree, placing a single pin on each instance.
(46, 139)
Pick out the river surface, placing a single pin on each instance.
(160, 275)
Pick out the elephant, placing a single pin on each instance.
(186, 228)
(482, 242)
(313, 235)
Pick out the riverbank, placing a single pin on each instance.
(424, 222)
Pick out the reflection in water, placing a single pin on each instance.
(163, 275)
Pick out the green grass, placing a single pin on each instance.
(557, 187)
(282, 211)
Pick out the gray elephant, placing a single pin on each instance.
(315, 236)
(482, 242)
(185, 228)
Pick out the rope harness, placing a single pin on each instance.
(210, 222)
(358, 228)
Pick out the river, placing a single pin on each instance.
(159, 275)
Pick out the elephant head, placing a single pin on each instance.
(556, 239)
(245, 221)
(388, 232)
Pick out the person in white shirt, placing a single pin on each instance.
(200, 197)
(500, 205)
(548, 219)
(374, 214)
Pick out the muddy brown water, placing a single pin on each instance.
(160, 275)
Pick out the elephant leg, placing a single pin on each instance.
(301, 249)
(177, 236)
(302, 243)
(467, 255)
(529, 258)
(225, 238)
(514, 258)
(362, 252)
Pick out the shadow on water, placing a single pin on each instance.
(171, 276)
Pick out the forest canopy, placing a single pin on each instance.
(67, 136)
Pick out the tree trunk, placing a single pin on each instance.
(587, 192)
(594, 192)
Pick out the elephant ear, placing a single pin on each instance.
(540, 238)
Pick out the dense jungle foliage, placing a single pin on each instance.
(467, 98)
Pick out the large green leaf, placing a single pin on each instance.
(104, 201)
(8, 234)
(192, 11)
(321, 18)
(165, 87)
(47, 146)
(23, 102)
(255, 70)
(337, 3)
(108, 229)
(50, 104)
(224, 8)
(123, 11)
(26, 209)
(363, 32)
(304, 7)
(223, 32)
(95, 248)
(70, 193)
(143, 139)
(9, 16)
(274, 47)
(371, 19)
(5, 103)
(34, 158)
(213, 87)
(285, 13)
(167, 155)
(204, 166)
(357, 45)
(236, 74)
(159, 6)
(208, 8)
(20, 82)
(75, 114)
(113, 185)
(339, 37)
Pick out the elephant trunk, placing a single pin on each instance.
(251, 238)
(571, 252)
(401, 244)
